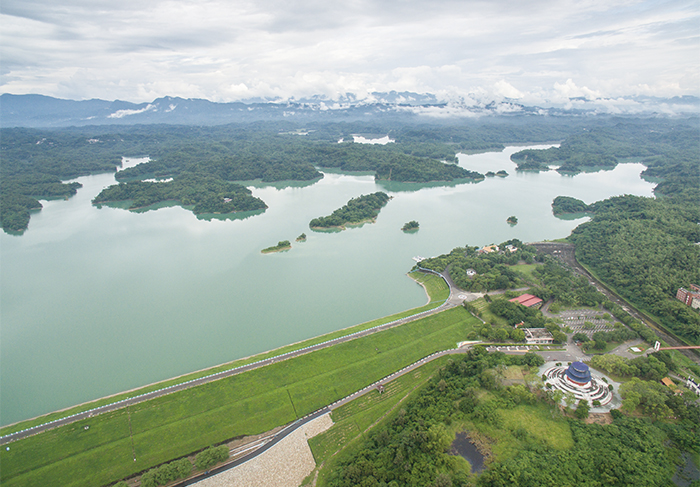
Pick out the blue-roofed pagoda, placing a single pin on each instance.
(578, 373)
(576, 379)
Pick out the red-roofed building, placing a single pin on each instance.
(527, 300)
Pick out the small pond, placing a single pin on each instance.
(687, 473)
(463, 447)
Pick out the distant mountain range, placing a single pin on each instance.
(45, 111)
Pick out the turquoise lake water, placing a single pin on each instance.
(95, 301)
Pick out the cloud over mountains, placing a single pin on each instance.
(536, 52)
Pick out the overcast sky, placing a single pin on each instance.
(530, 50)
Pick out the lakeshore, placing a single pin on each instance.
(150, 260)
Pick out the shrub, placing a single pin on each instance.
(211, 456)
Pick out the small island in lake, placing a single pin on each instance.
(512, 220)
(411, 226)
(281, 245)
(358, 210)
(301, 238)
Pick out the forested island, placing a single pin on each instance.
(281, 245)
(205, 194)
(512, 220)
(358, 210)
(35, 162)
(411, 226)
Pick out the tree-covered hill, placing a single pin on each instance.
(665, 147)
(646, 249)
(357, 210)
(205, 193)
(543, 446)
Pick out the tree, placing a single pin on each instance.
(569, 399)
(501, 335)
(517, 335)
(559, 337)
(579, 337)
(649, 396)
(211, 456)
(582, 409)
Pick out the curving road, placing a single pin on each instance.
(300, 422)
(452, 301)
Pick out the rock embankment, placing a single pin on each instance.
(284, 465)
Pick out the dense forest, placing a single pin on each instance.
(665, 147)
(646, 249)
(357, 210)
(35, 162)
(206, 194)
(553, 448)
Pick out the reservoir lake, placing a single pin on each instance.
(94, 301)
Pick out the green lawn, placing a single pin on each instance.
(181, 423)
(436, 288)
(526, 270)
(486, 315)
(522, 427)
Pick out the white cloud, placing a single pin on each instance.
(229, 50)
(126, 113)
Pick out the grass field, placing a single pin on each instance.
(181, 423)
(526, 270)
(521, 427)
(487, 315)
(437, 291)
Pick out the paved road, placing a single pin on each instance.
(451, 302)
(254, 453)
(297, 424)
(565, 253)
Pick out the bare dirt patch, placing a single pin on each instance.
(599, 418)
